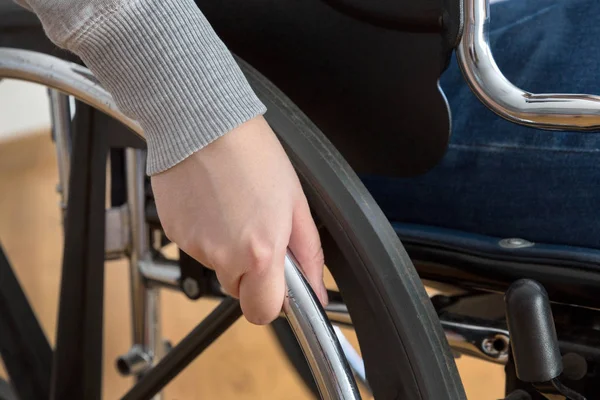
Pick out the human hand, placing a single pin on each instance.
(236, 206)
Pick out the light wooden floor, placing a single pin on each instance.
(245, 363)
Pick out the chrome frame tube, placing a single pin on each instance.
(139, 239)
(307, 318)
(60, 114)
(477, 340)
(144, 299)
(153, 335)
(577, 112)
(160, 273)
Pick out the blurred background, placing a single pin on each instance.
(245, 363)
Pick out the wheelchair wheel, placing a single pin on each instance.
(405, 352)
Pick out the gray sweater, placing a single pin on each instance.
(163, 64)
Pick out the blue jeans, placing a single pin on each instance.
(504, 180)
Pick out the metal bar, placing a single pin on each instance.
(217, 322)
(153, 338)
(144, 299)
(161, 273)
(578, 112)
(474, 337)
(60, 112)
(77, 369)
(465, 335)
(316, 337)
(354, 359)
(117, 235)
(477, 339)
(25, 351)
(139, 240)
(338, 314)
(166, 274)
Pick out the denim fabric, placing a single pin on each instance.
(505, 180)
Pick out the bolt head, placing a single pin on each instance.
(515, 243)
(191, 287)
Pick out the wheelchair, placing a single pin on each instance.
(320, 67)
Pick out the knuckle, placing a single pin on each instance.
(260, 257)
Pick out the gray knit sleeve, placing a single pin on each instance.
(163, 64)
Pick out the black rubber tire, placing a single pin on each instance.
(405, 351)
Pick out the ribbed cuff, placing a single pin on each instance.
(166, 68)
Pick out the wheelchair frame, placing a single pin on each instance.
(77, 359)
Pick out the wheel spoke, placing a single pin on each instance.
(338, 314)
(354, 359)
(61, 130)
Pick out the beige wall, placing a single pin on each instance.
(23, 109)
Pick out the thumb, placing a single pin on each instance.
(305, 244)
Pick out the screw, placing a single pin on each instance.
(515, 243)
(495, 346)
(168, 345)
(191, 288)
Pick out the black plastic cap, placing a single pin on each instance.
(532, 332)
